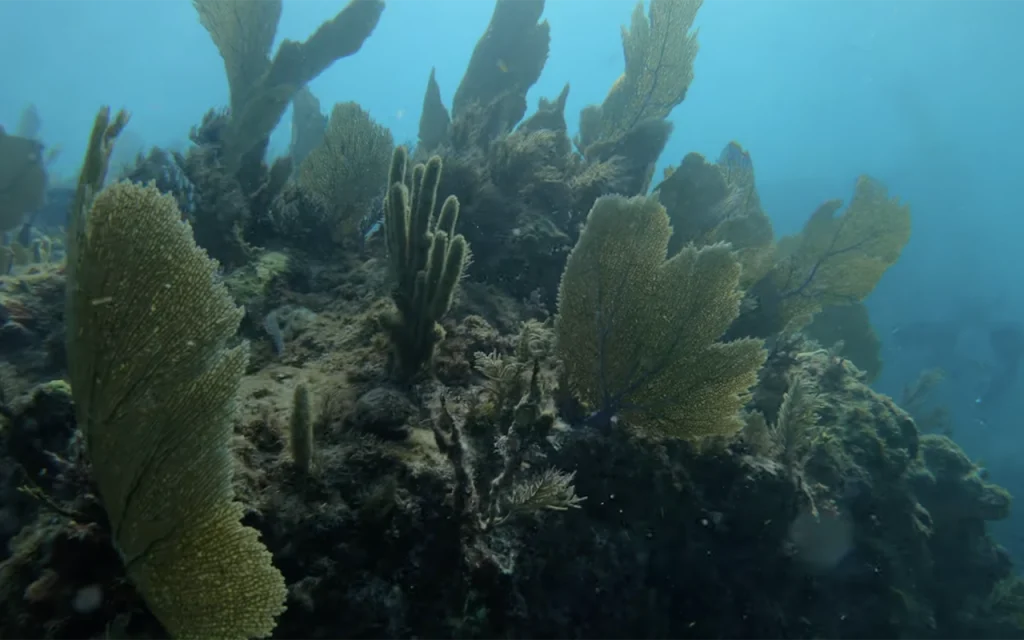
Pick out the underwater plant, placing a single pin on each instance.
(348, 165)
(154, 386)
(426, 259)
(840, 259)
(638, 334)
(660, 50)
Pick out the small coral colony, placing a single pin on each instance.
(506, 383)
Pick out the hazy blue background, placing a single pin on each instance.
(927, 96)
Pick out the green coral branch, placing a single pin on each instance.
(426, 257)
(550, 490)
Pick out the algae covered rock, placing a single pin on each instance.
(36, 431)
(954, 488)
(252, 285)
(383, 412)
(31, 321)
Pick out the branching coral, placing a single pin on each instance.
(426, 259)
(513, 492)
(504, 375)
(516, 195)
(261, 88)
(794, 437)
(154, 384)
(797, 430)
(532, 168)
(348, 167)
(660, 50)
(220, 211)
(638, 334)
(523, 190)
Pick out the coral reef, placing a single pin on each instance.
(525, 192)
(846, 329)
(631, 414)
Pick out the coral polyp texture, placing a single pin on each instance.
(503, 381)
(638, 334)
(154, 385)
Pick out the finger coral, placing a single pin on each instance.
(426, 258)
(639, 334)
(154, 385)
